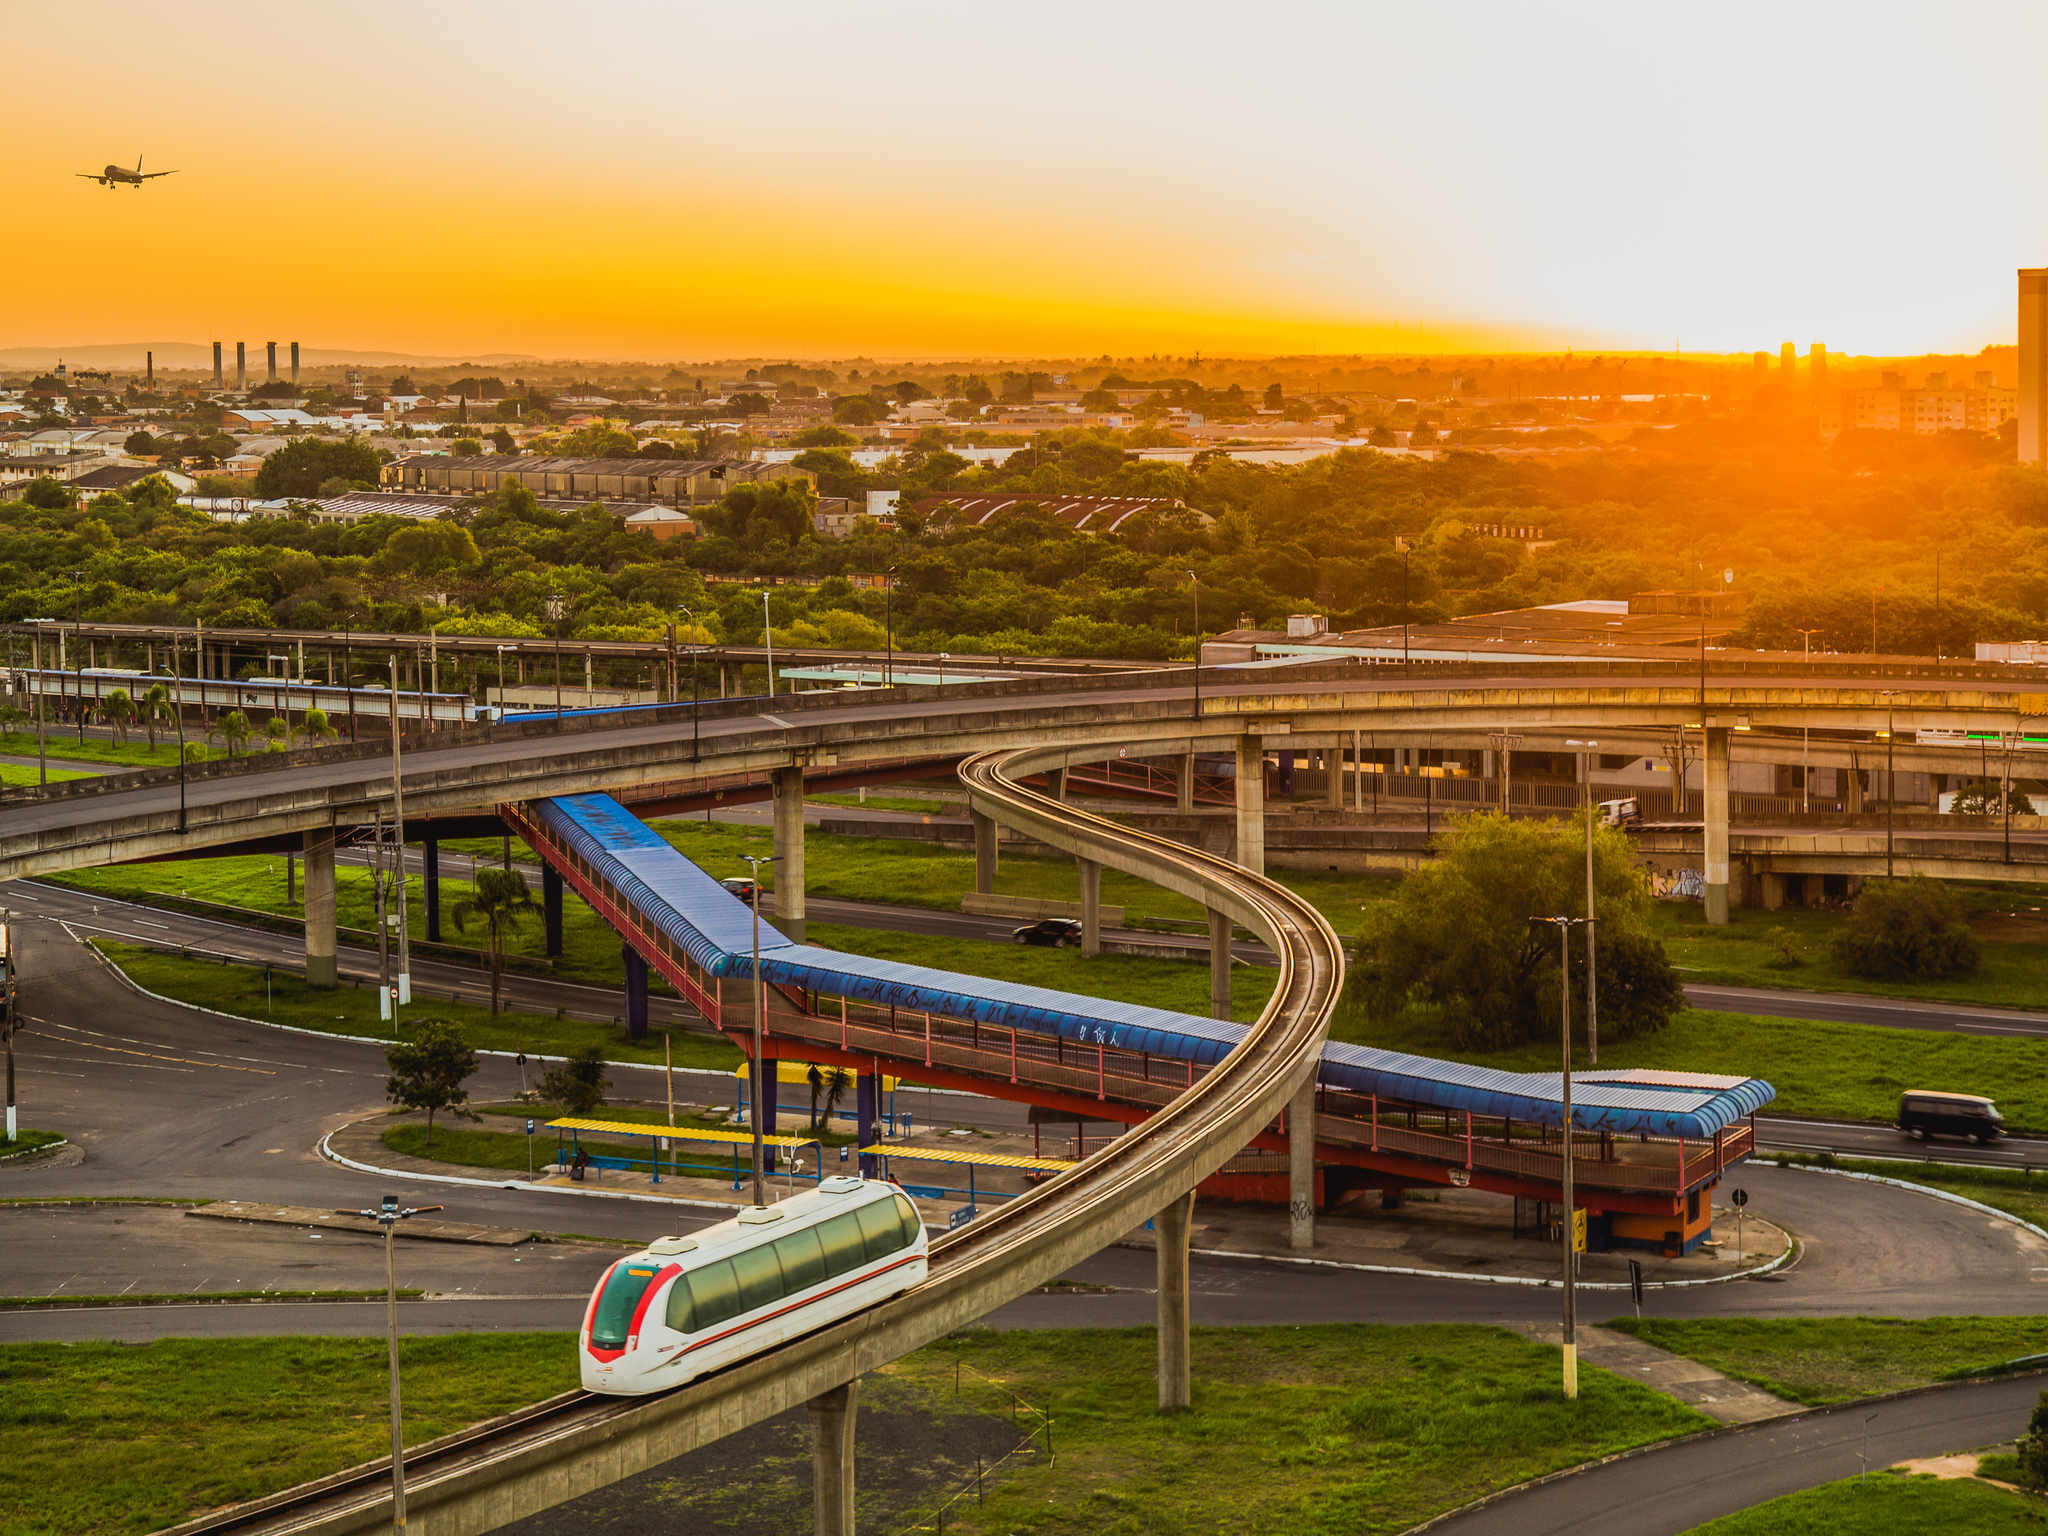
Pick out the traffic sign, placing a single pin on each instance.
(1740, 1197)
(1579, 1230)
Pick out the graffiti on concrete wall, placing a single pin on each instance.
(1679, 884)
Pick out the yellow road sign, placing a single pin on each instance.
(1578, 1231)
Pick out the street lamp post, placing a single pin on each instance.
(889, 627)
(1592, 987)
(1402, 545)
(1504, 744)
(1564, 1033)
(768, 639)
(388, 1215)
(1195, 586)
(2009, 740)
(1891, 787)
(761, 1080)
(178, 714)
(555, 618)
(501, 650)
(78, 643)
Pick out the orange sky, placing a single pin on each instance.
(674, 180)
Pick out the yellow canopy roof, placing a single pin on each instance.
(674, 1132)
(967, 1155)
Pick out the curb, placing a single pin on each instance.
(1920, 1189)
(1859, 1404)
(323, 1034)
(522, 1185)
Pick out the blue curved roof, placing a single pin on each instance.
(715, 928)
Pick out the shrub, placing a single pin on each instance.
(2033, 1447)
(578, 1084)
(1907, 930)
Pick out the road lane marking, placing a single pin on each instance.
(218, 1066)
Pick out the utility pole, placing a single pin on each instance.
(1805, 735)
(42, 760)
(1592, 987)
(388, 1215)
(1195, 586)
(1891, 786)
(10, 1014)
(763, 1084)
(378, 886)
(178, 715)
(768, 639)
(398, 829)
(696, 703)
(1564, 990)
(1504, 744)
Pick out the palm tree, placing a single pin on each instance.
(279, 732)
(233, 729)
(156, 705)
(314, 726)
(497, 900)
(119, 707)
(828, 1083)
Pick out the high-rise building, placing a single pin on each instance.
(1760, 369)
(1817, 365)
(1787, 356)
(2034, 365)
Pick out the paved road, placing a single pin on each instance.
(1672, 1490)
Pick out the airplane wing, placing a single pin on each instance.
(152, 175)
(88, 175)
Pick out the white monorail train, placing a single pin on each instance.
(684, 1306)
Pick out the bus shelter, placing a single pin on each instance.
(665, 1143)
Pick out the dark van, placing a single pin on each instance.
(1923, 1114)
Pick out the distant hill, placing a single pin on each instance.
(190, 355)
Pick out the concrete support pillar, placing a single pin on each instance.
(551, 909)
(1251, 804)
(636, 992)
(589, 681)
(771, 1097)
(1184, 783)
(1714, 798)
(1771, 891)
(1219, 964)
(430, 863)
(832, 1460)
(1301, 1167)
(1091, 907)
(867, 1115)
(1057, 781)
(985, 853)
(320, 966)
(1852, 787)
(1176, 1371)
(788, 787)
(1333, 777)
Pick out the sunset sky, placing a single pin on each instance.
(956, 179)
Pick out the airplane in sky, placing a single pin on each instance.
(120, 175)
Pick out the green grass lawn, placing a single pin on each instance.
(1339, 1428)
(1887, 1504)
(1752, 951)
(20, 775)
(1841, 1071)
(2014, 1190)
(110, 1438)
(239, 989)
(135, 752)
(29, 1141)
(1833, 1359)
(1346, 1428)
(909, 804)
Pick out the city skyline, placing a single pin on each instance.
(907, 180)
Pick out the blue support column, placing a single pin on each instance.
(867, 1110)
(771, 1090)
(636, 993)
(551, 909)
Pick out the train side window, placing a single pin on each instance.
(681, 1312)
(881, 1228)
(841, 1238)
(803, 1258)
(714, 1293)
(912, 1222)
(760, 1277)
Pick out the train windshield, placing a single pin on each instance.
(615, 1308)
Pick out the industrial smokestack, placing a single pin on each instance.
(149, 370)
(216, 365)
(270, 360)
(241, 365)
(295, 365)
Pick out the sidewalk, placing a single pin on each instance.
(1719, 1397)
(1463, 1233)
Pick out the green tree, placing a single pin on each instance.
(503, 441)
(1989, 799)
(1907, 929)
(465, 448)
(828, 1086)
(857, 410)
(300, 468)
(119, 709)
(233, 729)
(578, 1084)
(278, 734)
(1459, 945)
(49, 494)
(498, 900)
(429, 1069)
(314, 726)
(2033, 1447)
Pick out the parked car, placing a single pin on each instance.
(1923, 1113)
(744, 887)
(1049, 932)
